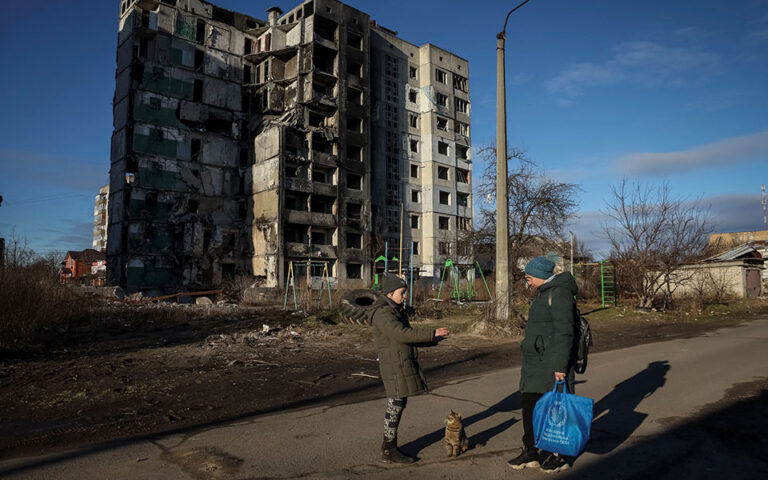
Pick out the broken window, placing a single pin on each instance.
(444, 248)
(354, 211)
(412, 96)
(199, 60)
(462, 152)
(355, 96)
(354, 40)
(414, 221)
(462, 176)
(322, 204)
(316, 119)
(442, 148)
(442, 173)
(412, 72)
(442, 124)
(416, 196)
(355, 124)
(200, 32)
(197, 93)
(442, 100)
(462, 105)
(414, 145)
(195, 150)
(192, 206)
(414, 171)
(248, 47)
(415, 247)
(355, 69)
(465, 223)
(321, 237)
(354, 270)
(354, 240)
(462, 199)
(459, 83)
(325, 60)
(413, 120)
(441, 76)
(296, 234)
(247, 74)
(462, 129)
(445, 198)
(143, 48)
(296, 201)
(326, 29)
(354, 182)
(355, 153)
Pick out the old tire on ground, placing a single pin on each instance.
(355, 306)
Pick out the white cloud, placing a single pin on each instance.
(725, 152)
(642, 62)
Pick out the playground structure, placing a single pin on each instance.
(607, 287)
(455, 281)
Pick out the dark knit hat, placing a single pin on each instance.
(390, 283)
(540, 267)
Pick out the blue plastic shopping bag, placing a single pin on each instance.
(561, 421)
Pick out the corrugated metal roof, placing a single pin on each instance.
(731, 254)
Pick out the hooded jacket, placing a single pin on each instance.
(548, 346)
(396, 345)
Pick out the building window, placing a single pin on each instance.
(354, 240)
(442, 124)
(441, 76)
(442, 223)
(442, 148)
(462, 129)
(355, 154)
(355, 124)
(462, 176)
(354, 211)
(459, 83)
(444, 248)
(445, 198)
(462, 199)
(354, 182)
(412, 96)
(354, 40)
(355, 96)
(462, 105)
(415, 248)
(462, 152)
(412, 72)
(413, 120)
(414, 145)
(442, 100)
(354, 270)
(465, 223)
(414, 221)
(414, 171)
(416, 196)
(442, 173)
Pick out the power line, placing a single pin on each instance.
(47, 198)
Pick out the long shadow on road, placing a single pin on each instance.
(615, 414)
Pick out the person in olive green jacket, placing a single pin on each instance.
(548, 352)
(396, 343)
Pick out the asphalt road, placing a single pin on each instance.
(653, 404)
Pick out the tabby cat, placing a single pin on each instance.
(456, 441)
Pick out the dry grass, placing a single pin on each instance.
(33, 302)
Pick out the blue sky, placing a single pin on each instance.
(656, 91)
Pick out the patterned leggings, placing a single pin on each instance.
(395, 407)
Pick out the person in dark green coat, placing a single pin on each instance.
(396, 343)
(548, 351)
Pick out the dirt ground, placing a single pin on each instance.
(167, 368)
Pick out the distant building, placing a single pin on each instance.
(100, 219)
(87, 266)
(243, 146)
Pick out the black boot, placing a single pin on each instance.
(391, 454)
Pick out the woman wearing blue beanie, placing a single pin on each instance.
(548, 353)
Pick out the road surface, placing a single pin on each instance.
(653, 410)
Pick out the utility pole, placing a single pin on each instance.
(765, 202)
(502, 193)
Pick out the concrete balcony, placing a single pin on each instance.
(298, 184)
(298, 216)
(322, 158)
(325, 251)
(296, 249)
(325, 189)
(322, 219)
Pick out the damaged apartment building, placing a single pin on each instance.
(241, 146)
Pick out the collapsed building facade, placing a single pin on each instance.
(245, 146)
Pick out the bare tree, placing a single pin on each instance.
(539, 207)
(652, 234)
